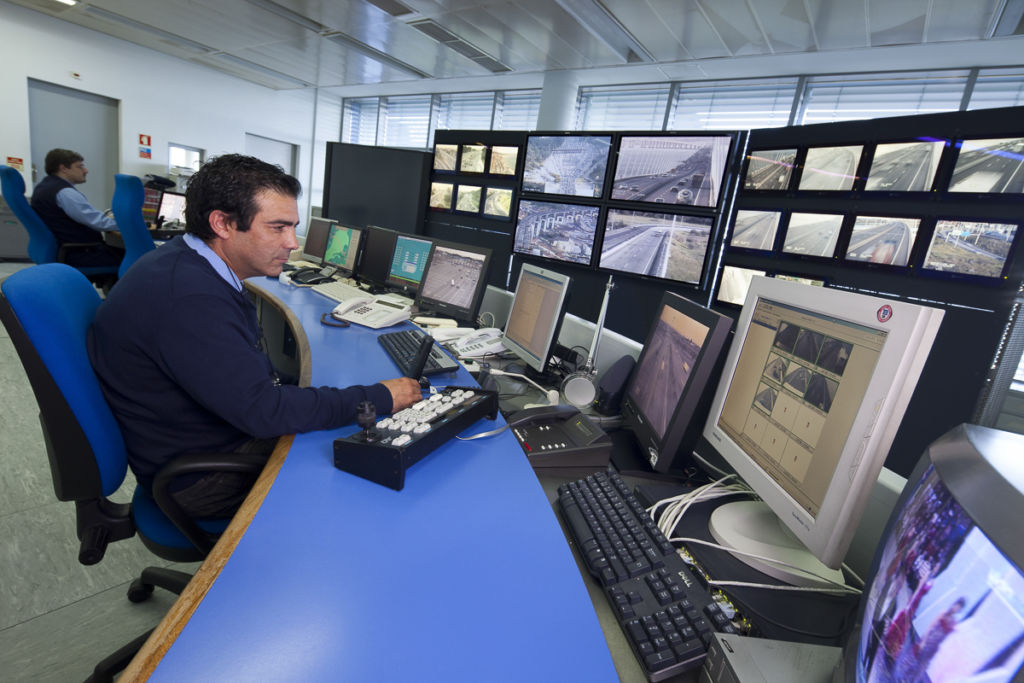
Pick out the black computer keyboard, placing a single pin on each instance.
(402, 345)
(668, 616)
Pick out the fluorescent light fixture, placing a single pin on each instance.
(146, 28)
(375, 54)
(289, 14)
(603, 25)
(252, 66)
(69, 3)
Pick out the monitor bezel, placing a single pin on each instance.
(399, 284)
(312, 257)
(936, 172)
(533, 362)
(543, 193)
(466, 314)
(929, 235)
(792, 169)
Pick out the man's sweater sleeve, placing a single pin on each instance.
(210, 351)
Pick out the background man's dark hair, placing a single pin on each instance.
(56, 158)
(230, 183)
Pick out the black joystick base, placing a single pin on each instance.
(366, 417)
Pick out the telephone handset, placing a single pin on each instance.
(373, 312)
(483, 342)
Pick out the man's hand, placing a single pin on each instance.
(404, 392)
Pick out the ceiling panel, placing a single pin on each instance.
(959, 20)
(787, 25)
(694, 34)
(839, 25)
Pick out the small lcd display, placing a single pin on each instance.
(992, 165)
(664, 245)
(830, 168)
(473, 158)
(445, 157)
(769, 169)
(468, 198)
(498, 202)
(441, 195)
(734, 284)
(755, 229)
(503, 160)
(878, 239)
(905, 166)
(970, 248)
(812, 234)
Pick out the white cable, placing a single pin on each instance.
(551, 394)
(799, 589)
(703, 461)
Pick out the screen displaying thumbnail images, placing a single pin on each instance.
(685, 170)
(662, 245)
(812, 234)
(734, 284)
(441, 195)
(473, 157)
(970, 248)
(445, 157)
(498, 202)
(905, 166)
(879, 239)
(830, 168)
(468, 198)
(755, 229)
(992, 165)
(566, 164)
(769, 169)
(503, 160)
(564, 232)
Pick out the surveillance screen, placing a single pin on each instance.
(473, 158)
(905, 166)
(445, 156)
(812, 234)
(992, 165)
(970, 248)
(498, 202)
(564, 232)
(879, 239)
(503, 160)
(830, 168)
(735, 283)
(661, 245)
(769, 169)
(468, 198)
(566, 164)
(453, 276)
(441, 195)
(671, 169)
(755, 229)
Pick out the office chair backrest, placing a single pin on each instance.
(129, 196)
(42, 245)
(47, 311)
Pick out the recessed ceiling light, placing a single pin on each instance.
(68, 2)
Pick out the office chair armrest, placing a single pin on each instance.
(190, 464)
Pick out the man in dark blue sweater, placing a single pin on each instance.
(178, 347)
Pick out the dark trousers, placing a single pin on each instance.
(99, 255)
(219, 494)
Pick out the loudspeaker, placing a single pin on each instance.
(578, 388)
(613, 386)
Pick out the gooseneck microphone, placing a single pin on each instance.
(580, 388)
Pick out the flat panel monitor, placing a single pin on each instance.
(472, 159)
(536, 315)
(734, 283)
(342, 250)
(812, 234)
(992, 165)
(503, 160)
(552, 230)
(467, 198)
(905, 166)
(663, 245)
(671, 169)
(970, 248)
(944, 599)
(445, 157)
(408, 262)
(441, 195)
(830, 168)
(454, 281)
(573, 165)
(171, 208)
(498, 202)
(813, 390)
(669, 392)
(378, 249)
(769, 169)
(755, 229)
(881, 239)
(316, 240)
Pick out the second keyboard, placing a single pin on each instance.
(402, 345)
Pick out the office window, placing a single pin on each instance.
(183, 157)
(733, 105)
(622, 107)
(465, 111)
(998, 88)
(516, 110)
(359, 121)
(405, 121)
(866, 96)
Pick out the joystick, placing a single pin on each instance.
(366, 417)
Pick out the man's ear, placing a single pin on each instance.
(222, 223)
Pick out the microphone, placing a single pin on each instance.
(580, 388)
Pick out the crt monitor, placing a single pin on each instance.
(812, 393)
(408, 262)
(375, 260)
(669, 392)
(316, 240)
(172, 207)
(454, 281)
(944, 599)
(536, 315)
(342, 250)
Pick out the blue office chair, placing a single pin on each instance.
(129, 196)
(47, 311)
(42, 244)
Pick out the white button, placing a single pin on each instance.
(421, 429)
(384, 424)
(401, 440)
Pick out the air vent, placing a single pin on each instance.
(432, 29)
(392, 7)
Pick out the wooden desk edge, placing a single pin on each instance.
(159, 642)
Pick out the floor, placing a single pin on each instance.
(57, 617)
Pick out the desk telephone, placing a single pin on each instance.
(560, 437)
(373, 312)
(482, 342)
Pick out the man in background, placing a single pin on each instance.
(69, 215)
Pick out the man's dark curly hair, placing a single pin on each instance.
(58, 157)
(230, 183)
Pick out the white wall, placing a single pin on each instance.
(161, 96)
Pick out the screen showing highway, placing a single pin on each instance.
(905, 166)
(564, 232)
(880, 239)
(661, 245)
(445, 156)
(994, 165)
(830, 168)
(684, 170)
(970, 248)
(812, 234)
(566, 164)
(769, 169)
(755, 229)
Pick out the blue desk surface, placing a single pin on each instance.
(463, 575)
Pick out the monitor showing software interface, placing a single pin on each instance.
(536, 315)
(342, 248)
(172, 207)
(408, 261)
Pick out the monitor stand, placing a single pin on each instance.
(750, 526)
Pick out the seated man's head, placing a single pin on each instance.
(67, 164)
(246, 210)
